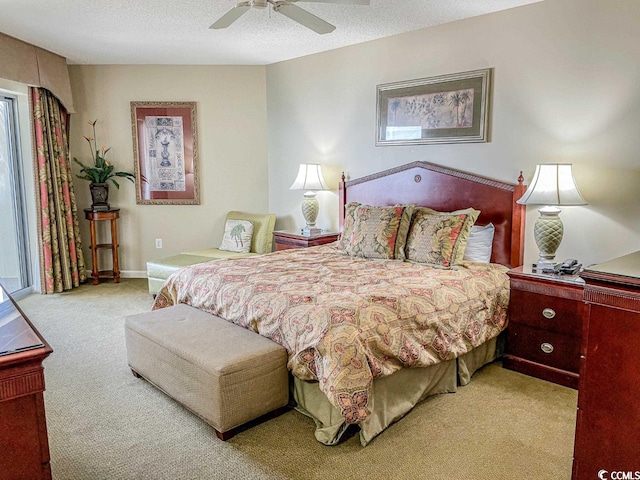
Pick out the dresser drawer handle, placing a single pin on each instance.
(548, 313)
(546, 347)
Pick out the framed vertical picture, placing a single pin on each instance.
(165, 149)
(446, 109)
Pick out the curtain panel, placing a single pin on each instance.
(62, 265)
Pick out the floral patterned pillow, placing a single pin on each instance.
(403, 231)
(349, 224)
(439, 238)
(374, 233)
(348, 230)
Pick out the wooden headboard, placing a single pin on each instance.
(445, 189)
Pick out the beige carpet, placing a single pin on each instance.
(105, 424)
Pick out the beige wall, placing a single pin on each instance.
(231, 107)
(566, 89)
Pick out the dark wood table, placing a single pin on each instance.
(285, 240)
(546, 320)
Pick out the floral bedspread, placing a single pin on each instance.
(345, 321)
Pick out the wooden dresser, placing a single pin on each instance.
(24, 447)
(607, 442)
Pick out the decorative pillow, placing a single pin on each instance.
(439, 238)
(375, 231)
(480, 243)
(349, 224)
(237, 236)
(403, 231)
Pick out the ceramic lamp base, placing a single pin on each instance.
(548, 231)
(310, 209)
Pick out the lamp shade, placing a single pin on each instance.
(309, 178)
(552, 184)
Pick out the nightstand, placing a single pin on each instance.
(546, 317)
(289, 239)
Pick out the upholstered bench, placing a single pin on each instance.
(225, 374)
(261, 242)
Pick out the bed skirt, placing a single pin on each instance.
(393, 396)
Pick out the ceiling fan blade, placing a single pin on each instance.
(231, 16)
(303, 17)
(339, 2)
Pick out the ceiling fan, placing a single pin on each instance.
(286, 8)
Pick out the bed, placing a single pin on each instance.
(370, 335)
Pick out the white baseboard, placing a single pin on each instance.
(133, 273)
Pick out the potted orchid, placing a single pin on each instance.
(100, 172)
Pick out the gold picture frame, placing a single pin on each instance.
(165, 149)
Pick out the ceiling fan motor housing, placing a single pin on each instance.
(258, 3)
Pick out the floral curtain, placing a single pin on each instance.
(62, 264)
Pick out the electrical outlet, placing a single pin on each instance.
(158, 243)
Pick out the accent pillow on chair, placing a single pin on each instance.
(237, 236)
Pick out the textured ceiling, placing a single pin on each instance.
(177, 31)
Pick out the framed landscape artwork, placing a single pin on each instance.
(165, 150)
(446, 109)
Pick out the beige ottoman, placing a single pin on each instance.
(225, 374)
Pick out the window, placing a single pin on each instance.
(14, 257)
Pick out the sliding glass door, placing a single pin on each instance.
(14, 257)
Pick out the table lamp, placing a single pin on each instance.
(310, 179)
(553, 185)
